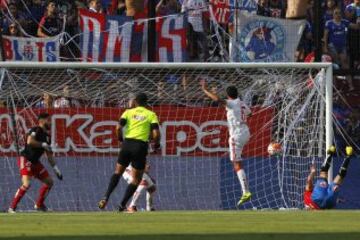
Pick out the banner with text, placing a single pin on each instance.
(265, 39)
(31, 49)
(186, 131)
(121, 39)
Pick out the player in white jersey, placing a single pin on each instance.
(236, 113)
(147, 183)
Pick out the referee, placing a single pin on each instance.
(139, 125)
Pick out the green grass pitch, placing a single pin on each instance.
(202, 225)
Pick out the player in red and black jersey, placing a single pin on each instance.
(37, 143)
(50, 24)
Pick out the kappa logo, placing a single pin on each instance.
(263, 41)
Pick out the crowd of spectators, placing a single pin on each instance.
(43, 18)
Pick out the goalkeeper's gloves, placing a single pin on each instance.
(57, 172)
(46, 146)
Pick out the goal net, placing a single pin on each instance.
(289, 102)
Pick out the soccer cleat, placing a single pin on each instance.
(11, 210)
(349, 151)
(244, 198)
(102, 204)
(132, 209)
(121, 208)
(42, 208)
(331, 150)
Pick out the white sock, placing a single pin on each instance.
(243, 181)
(149, 201)
(136, 195)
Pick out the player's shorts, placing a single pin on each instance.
(325, 195)
(146, 180)
(28, 168)
(134, 152)
(237, 143)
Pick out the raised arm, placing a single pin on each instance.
(310, 179)
(211, 95)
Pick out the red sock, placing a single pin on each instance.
(43, 192)
(18, 196)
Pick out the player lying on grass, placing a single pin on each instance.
(140, 125)
(147, 184)
(37, 143)
(324, 195)
(236, 113)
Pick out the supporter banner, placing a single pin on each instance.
(221, 10)
(31, 49)
(247, 5)
(171, 34)
(190, 131)
(264, 39)
(120, 39)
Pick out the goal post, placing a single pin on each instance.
(291, 104)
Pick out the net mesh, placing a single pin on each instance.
(193, 170)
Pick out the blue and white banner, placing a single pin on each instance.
(265, 39)
(246, 5)
(31, 49)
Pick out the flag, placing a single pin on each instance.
(221, 10)
(265, 39)
(171, 37)
(31, 49)
(107, 38)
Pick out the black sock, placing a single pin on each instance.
(128, 194)
(114, 180)
(344, 166)
(326, 164)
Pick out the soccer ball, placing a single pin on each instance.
(274, 148)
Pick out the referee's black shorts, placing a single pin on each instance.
(133, 151)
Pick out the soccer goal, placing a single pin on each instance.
(291, 105)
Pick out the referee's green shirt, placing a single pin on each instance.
(138, 123)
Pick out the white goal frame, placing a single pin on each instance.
(326, 66)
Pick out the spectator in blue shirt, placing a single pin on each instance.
(335, 40)
(352, 13)
(329, 10)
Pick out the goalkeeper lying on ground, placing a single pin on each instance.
(324, 195)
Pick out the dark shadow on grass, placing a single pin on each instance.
(240, 236)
